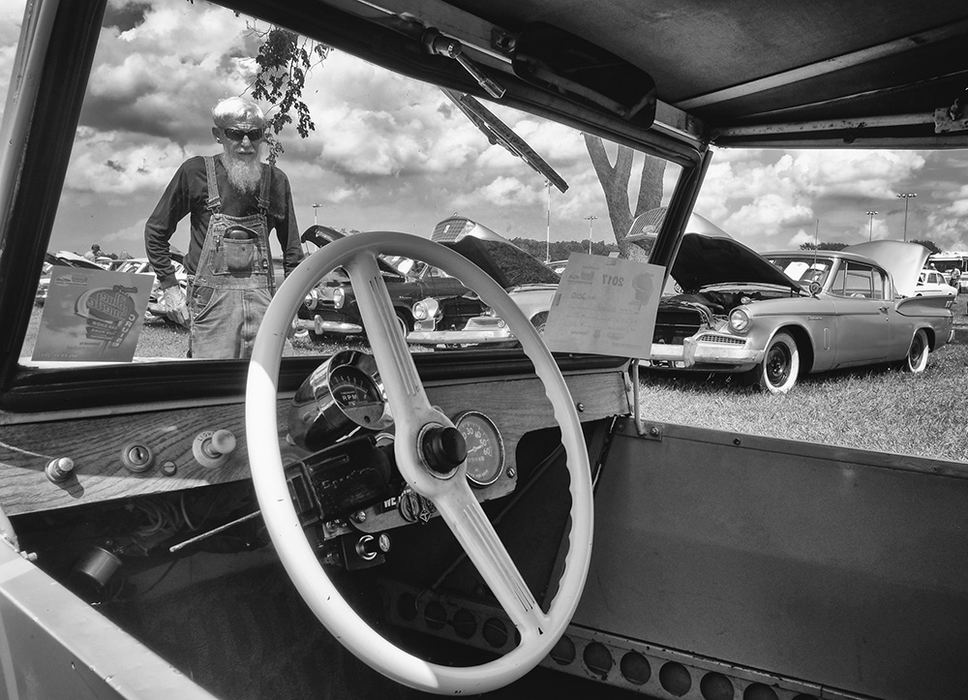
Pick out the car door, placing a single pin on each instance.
(864, 314)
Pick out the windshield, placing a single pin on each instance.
(805, 269)
(385, 152)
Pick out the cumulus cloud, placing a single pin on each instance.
(390, 152)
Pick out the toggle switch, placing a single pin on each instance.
(212, 449)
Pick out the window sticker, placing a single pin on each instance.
(605, 306)
(92, 315)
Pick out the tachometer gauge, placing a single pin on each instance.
(341, 396)
(485, 448)
(357, 394)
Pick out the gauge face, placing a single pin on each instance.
(485, 448)
(357, 395)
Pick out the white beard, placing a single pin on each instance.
(245, 174)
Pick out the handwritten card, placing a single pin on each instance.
(605, 306)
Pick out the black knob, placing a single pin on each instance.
(443, 449)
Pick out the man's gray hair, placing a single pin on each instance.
(234, 111)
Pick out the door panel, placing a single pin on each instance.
(839, 567)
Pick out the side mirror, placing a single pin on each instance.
(815, 288)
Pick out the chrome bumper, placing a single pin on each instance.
(321, 327)
(706, 349)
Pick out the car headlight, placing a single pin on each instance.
(425, 309)
(339, 296)
(739, 320)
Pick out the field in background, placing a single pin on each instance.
(879, 408)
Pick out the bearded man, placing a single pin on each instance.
(234, 200)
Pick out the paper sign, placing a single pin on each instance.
(605, 306)
(92, 315)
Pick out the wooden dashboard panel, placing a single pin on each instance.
(96, 441)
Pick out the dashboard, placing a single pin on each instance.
(56, 460)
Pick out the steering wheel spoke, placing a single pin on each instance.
(476, 535)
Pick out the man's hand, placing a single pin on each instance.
(174, 305)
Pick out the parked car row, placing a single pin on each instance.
(773, 317)
(424, 298)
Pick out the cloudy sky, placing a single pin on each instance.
(391, 153)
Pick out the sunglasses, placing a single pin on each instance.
(239, 134)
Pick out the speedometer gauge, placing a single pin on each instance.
(485, 448)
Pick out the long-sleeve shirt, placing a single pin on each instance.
(187, 193)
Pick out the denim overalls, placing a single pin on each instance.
(233, 280)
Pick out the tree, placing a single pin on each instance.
(284, 60)
(614, 180)
(930, 245)
(823, 246)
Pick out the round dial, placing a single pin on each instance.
(485, 448)
(357, 394)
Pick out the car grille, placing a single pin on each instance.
(721, 339)
(674, 325)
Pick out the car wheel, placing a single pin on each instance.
(917, 356)
(406, 323)
(540, 321)
(780, 367)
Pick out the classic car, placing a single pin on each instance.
(780, 315)
(526, 279)
(932, 282)
(330, 308)
(534, 300)
(484, 523)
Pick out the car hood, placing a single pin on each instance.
(507, 264)
(902, 259)
(708, 255)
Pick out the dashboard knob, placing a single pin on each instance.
(213, 448)
(223, 442)
(59, 469)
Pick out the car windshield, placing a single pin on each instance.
(409, 161)
(804, 270)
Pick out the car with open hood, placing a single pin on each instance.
(780, 315)
(378, 521)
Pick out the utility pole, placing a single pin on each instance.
(870, 215)
(590, 219)
(906, 196)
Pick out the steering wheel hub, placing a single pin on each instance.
(443, 449)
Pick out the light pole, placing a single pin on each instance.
(906, 196)
(870, 215)
(548, 232)
(590, 219)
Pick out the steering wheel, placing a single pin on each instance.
(450, 492)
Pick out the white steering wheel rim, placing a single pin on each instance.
(294, 551)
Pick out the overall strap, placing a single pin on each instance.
(264, 192)
(264, 211)
(214, 202)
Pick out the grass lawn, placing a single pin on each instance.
(872, 408)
